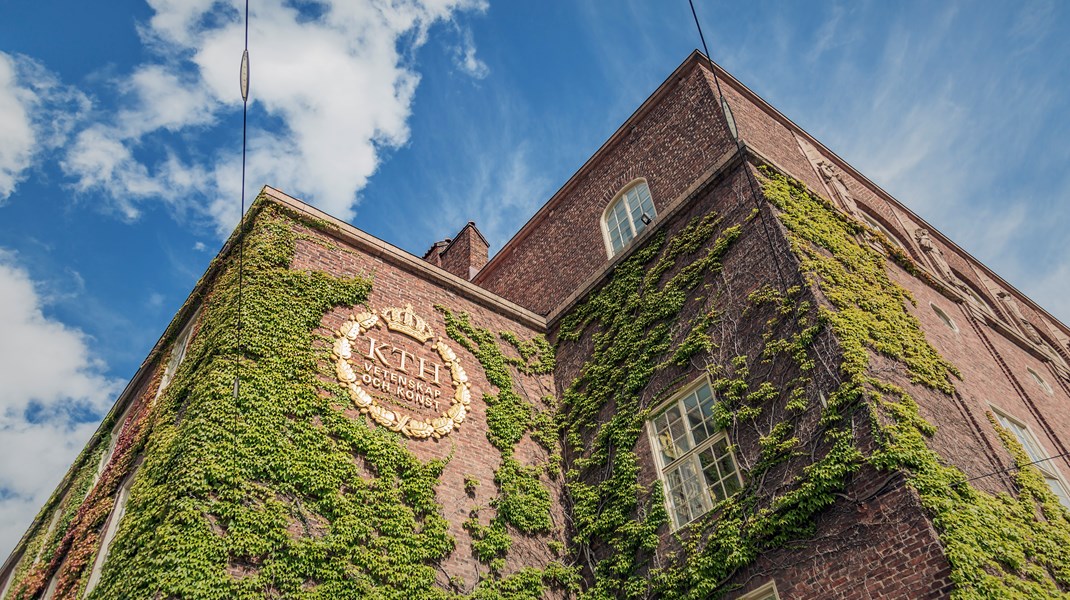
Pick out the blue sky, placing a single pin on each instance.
(120, 145)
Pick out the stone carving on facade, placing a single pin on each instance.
(832, 177)
(1060, 337)
(1015, 311)
(1027, 327)
(1062, 343)
(936, 257)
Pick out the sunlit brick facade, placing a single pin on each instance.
(878, 539)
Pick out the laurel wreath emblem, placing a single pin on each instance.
(367, 404)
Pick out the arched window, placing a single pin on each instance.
(628, 215)
(110, 528)
(1040, 380)
(944, 317)
(877, 225)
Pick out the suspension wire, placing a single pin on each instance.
(733, 130)
(1011, 469)
(243, 81)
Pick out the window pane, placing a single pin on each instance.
(678, 429)
(668, 449)
(1027, 442)
(613, 216)
(724, 457)
(626, 232)
(645, 201)
(613, 226)
(720, 470)
(634, 208)
(693, 490)
(705, 398)
(1023, 437)
(731, 483)
(709, 469)
(1058, 489)
(695, 419)
(685, 492)
(677, 498)
(615, 240)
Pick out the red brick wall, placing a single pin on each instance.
(473, 455)
(880, 548)
(876, 541)
(993, 362)
(679, 138)
(993, 359)
(466, 254)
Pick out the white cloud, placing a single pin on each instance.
(15, 128)
(164, 100)
(36, 114)
(331, 88)
(1052, 290)
(464, 56)
(50, 377)
(500, 184)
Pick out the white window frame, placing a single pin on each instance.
(118, 511)
(9, 576)
(1036, 452)
(708, 502)
(635, 228)
(766, 592)
(178, 353)
(875, 224)
(1040, 381)
(943, 316)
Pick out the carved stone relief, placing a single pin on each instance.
(381, 386)
(1011, 303)
(1027, 327)
(830, 176)
(936, 257)
(835, 181)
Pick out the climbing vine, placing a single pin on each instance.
(46, 542)
(628, 326)
(615, 518)
(276, 491)
(86, 508)
(523, 502)
(998, 546)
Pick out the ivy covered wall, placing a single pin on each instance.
(826, 440)
(787, 309)
(282, 491)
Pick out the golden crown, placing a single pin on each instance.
(404, 320)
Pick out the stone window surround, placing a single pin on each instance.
(946, 318)
(1040, 381)
(111, 527)
(1032, 446)
(766, 592)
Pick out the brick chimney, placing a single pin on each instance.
(463, 255)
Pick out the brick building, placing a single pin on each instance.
(701, 369)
